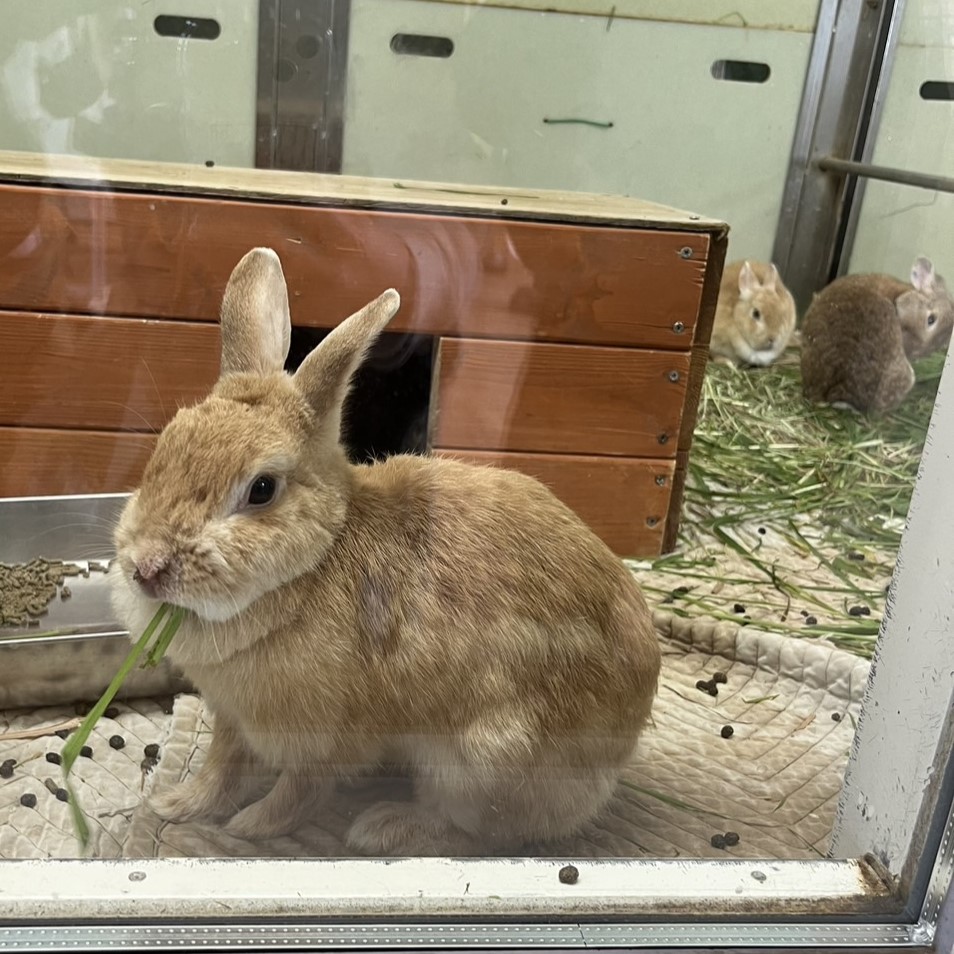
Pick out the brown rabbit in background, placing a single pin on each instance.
(862, 332)
(755, 315)
(453, 619)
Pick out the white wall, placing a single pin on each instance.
(94, 78)
(679, 136)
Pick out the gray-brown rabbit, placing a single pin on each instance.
(862, 332)
(456, 620)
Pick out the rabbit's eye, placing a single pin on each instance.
(931, 319)
(756, 314)
(262, 490)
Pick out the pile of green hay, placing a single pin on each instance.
(793, 513)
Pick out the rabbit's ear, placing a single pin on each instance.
(256, 326)
(923, 276)
(772, 280)
(323, 377)
(748, 283)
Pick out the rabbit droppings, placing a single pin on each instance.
(453, 619)
(862, 332)
(755, 315)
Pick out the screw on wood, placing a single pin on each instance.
(674, 376)
(678, 327)
(660, 480)
(652, 521)
(663, 439)
(685, 252)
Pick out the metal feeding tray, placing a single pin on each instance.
(78, 646)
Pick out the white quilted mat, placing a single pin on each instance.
(774, 782)
(109, 784)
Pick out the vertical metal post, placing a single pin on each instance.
(302, 69)
(843, 73)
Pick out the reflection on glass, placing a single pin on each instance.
(388, 652)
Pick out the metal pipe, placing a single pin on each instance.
(920, 180)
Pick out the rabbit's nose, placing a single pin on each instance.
(151, 574)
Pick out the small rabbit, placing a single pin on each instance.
(755, 315)
(456, 620)
(862, 332)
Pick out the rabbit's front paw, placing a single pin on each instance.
(186, 801)
(291, 800)
(259, 820)
(403, 828)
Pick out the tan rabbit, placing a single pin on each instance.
(458, 620)
(755, 315)
(862, 332)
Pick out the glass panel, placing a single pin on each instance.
(453, 647)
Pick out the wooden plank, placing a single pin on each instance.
(161, 257)
(102, 373)
(349, 191)
(697, 373)
(501, 395)
(39, 462)
(624, 500)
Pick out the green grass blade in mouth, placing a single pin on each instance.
(162, 642)
(79, 738)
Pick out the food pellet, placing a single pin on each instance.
(54, 757)
(836, 717)
(717, 841)
(65, 593)
(28, 800)
(6, 770)
(810, 621)
(62, 733)
(116, 741)
(859, 611)
(762, 531)
(855, 555)
(569, 874)
(703, 685)
(86, 752)
(148, 764)
(680, 591)
(712, 689)
(51, 786)
(720, 676)
(727, 732)
(738, 608)
(111, 712)
(731, 838)
(62, 794)
(151, 751)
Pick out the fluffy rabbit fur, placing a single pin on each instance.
(755, 315)
(457, 621)
(862, 332)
